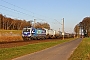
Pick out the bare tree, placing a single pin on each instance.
(16, 24)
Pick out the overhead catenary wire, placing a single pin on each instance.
(9, 15)
(15, 10)
(58, 21)
(23, 9)
(24, 13)
(19, 12)
(16, 6)
(28, 11)
(10, 9)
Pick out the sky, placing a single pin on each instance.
(50, 11)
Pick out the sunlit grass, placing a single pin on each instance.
(10, 35)
(9, 31)
(83, 51)
(10, 38)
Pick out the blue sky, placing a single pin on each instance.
(73, 11)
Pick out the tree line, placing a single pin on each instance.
(83, 27)
(7, 23)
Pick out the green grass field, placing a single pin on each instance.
(83, 51)
(10, 53)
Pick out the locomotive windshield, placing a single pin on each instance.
(26, 30)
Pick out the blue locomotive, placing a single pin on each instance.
(30, 33)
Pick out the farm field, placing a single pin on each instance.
(10, 53)
(10, 35)
(82, 52)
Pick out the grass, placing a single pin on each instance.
(10, 38)
(82, 52)
(8, 31)
(10, 35)
(10, 53)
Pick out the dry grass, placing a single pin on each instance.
(10, 35)
(10, 38)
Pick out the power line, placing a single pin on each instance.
(15, 10)
(58, 21)
(15, 6)
(8, 14)
(21, 8)
(26, 10)
(18, 11)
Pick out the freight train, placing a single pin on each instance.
(31, 33)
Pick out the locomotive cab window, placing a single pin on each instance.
(26, 30)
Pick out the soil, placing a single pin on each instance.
(21, 43)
